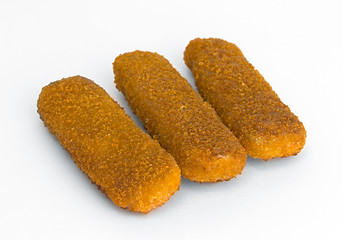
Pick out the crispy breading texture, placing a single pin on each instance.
(244, 100)
(177, 116)
(132, 169)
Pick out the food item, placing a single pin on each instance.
(246, 103)
(133, 170)
(175, 115)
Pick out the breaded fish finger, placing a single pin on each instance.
(246, 103)
(177, 116)
(133, 170)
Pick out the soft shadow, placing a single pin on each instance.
(275, 162)
(189, 185)
(189, 77)
(120, 99)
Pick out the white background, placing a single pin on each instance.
(296, 45)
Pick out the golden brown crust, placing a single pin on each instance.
(244, 100)
(175, 115)
(131, 168)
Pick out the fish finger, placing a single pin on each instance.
(244, 100)
(132, 169)
(174, 114)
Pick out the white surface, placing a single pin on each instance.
(296, 45)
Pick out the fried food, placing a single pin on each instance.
(244, 100)
(132, 169)
(177, 116)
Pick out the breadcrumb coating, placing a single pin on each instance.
(244, 100)
(132, 169)
(177, 116)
